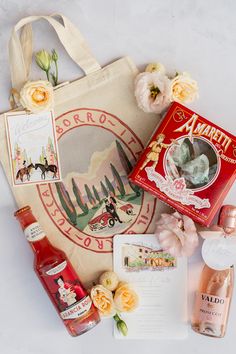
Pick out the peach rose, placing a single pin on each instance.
(183, 88)
(103, 300)
(125, 298)
(37, 96)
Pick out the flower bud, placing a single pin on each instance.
(109, 280)
(152, 67)
(54, 55)
(122, 327)
(43, 60)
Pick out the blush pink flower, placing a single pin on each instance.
(177, 234)
(152, 91)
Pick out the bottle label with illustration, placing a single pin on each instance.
(34, 232)
(71, 300)
(211, 309)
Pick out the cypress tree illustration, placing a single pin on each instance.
(109, 185)
(124, 158)
(95, 192)
(66, 202)
(104, 190)
(90, 196)
(135, 188)
(118, 180)
(83, 206)
(127, 165)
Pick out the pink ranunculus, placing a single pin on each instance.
(177, 234)
(152, 91)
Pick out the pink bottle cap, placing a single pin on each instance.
(227, 219)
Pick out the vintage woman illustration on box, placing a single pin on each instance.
(156, 147)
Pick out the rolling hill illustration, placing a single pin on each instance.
(101, 200)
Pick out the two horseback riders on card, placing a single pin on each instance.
(26, 170)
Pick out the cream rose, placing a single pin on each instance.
(152, 91)
(183, 88)
(155, 67)
(125, 298)
(37, 96)
(103, 300)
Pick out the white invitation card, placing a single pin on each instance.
(160, 280)
(32, 147)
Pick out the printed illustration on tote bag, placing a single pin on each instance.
(96, 199)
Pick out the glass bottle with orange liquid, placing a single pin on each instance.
(58, 278)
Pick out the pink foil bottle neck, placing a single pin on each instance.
(227, 218)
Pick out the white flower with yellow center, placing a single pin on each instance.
(152, 91)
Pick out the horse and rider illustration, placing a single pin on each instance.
(27, 170)
(46, 168)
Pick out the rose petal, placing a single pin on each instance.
(177, 234)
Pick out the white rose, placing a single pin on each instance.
(152, 91)
(37, 96)
(183, 89)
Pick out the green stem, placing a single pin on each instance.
(53, 79)
(47, 73)
(56, 76)
(116, 317)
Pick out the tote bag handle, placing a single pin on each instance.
(20, 49)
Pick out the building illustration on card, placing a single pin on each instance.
(160, 280)
(140, 257)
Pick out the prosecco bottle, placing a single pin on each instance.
(214, 295)
(58, 278)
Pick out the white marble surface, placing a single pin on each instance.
(196, 36)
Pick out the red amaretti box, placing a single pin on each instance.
(189, 163)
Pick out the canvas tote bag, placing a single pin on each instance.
(101, 132)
